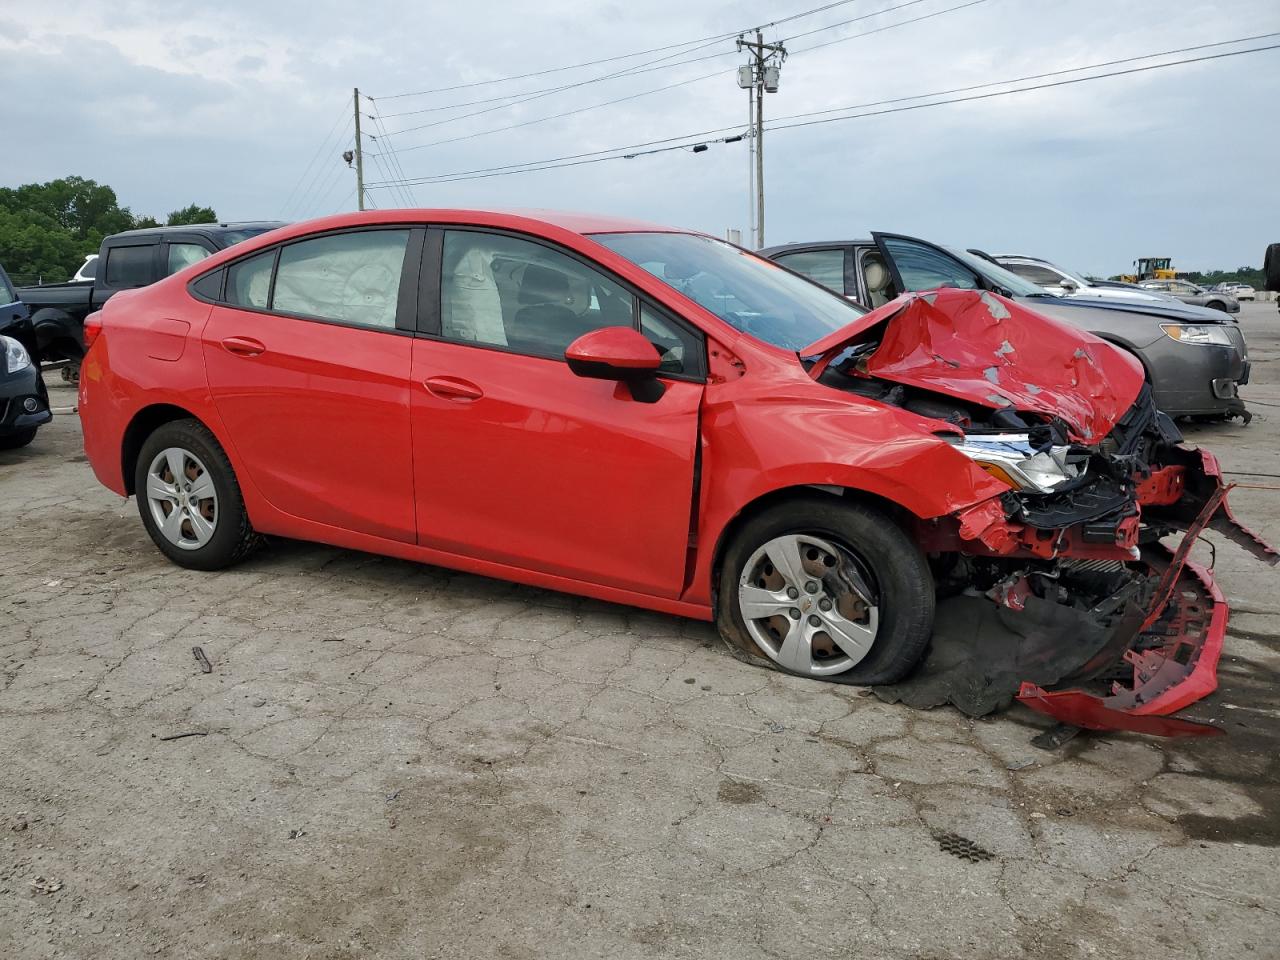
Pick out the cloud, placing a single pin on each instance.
(227, 105)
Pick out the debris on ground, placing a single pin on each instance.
(205, 665)
(183, 735)
(46, 885)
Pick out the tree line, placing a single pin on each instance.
(47, 229)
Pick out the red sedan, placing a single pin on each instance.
(655, 417)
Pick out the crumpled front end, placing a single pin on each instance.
(1069, 600)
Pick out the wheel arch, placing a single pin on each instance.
(1130, 349)
(896, 512)
(144, 423)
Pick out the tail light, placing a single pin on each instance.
(92, 327)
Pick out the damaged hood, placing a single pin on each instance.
(988, 350)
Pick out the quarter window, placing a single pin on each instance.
(822, 266)
(505, 292)
(681, 350)
(349, 277)
(130, 266)
(249, 281)
(183, 255)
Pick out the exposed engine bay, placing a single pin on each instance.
(1062, 592)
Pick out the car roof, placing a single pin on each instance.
(810, 244)
(211, 229)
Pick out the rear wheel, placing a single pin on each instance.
(824, 588)
(19, 438)
(189, 499)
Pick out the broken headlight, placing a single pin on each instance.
(1011, 457)
(1207, 334)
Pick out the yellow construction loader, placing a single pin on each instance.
(1151, 268)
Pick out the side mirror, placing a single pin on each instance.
(1068, 285)
(618, 353)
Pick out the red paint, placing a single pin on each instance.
(1090, 713)
(988, 350)
(620, 347)
(512, 466)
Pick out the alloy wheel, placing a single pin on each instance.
(808, 604)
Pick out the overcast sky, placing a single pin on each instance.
(226, 104)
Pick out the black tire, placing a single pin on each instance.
(233, 537)
(17, 439)
(902, 582)
(1217, 305)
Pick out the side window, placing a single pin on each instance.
(183, 255)
(1039, 275)
(924, 268)
(249, 281)
(351, 277)
(130, 266)
(6, 290)
(822, 266)
(506, 292)
(681, 350)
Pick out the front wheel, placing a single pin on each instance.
(189, 499)
(825, 588)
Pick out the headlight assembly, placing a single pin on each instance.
(15, 355)
(1207, 334)
(1011, 458)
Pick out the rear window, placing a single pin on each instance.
(130, 266)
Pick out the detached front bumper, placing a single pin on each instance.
(1096, 623)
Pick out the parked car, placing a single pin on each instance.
(1241, 291)
(87, 270)
(1196, 359)
(24, 402)
(658, 418)
(1064, 283)
(1193, 293)
(125, 261)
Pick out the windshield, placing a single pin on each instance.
(749, 293)
(998, 275)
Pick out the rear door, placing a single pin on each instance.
(519, 461)
(308, 352)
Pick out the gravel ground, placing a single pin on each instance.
(400, 761)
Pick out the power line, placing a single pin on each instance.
(314, 157)
(618, 153)
(625, 56)
(1038, 86)
(1035, 76)
(679, 83)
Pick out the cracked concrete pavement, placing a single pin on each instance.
(401, 761)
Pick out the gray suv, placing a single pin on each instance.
(1195, 358)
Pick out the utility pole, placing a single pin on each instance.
(355, 98)
(759, 77)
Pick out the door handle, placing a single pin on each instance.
(453, 388)
(243, 346)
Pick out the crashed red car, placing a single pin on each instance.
(655, 417)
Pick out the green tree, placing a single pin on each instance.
(192, 214)
(46, 229)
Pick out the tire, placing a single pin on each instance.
(1217, 305)
(17, 439)
(879, 591)
(214, 531)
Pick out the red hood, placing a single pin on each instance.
(983, 348)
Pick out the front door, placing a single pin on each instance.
(519, 461)
(308, 361)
